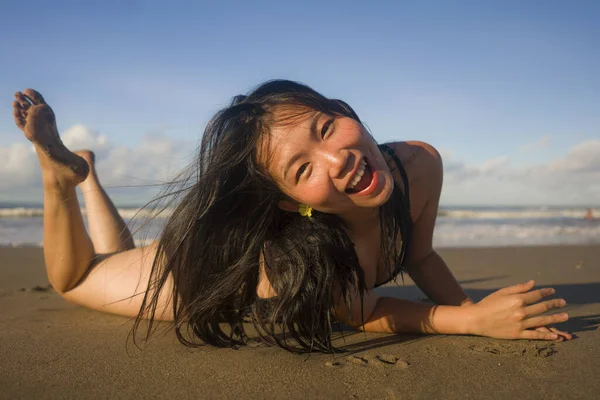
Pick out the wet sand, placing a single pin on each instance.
(50, 348)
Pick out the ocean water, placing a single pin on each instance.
(21, 225)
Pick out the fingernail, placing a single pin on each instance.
(562, 302)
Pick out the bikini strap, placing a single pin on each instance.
(405, 204)
(401, 169)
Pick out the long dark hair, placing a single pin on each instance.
(227, 220)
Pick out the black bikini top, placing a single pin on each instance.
(406, 226)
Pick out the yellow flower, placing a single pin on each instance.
(304, 210)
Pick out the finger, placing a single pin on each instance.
(546, 330)
(565, 335)
(515, 289)
(25, 104)
(536, 335)
(545, 320)
(34, 96)
(561, 335)
(544, 306)
(537, 295)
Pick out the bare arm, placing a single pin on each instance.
(434, 277)
(424, 265)
(116, 284)
(509, 313)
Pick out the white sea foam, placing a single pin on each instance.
(507, 233)
(448, 213)
(126, 213)
(17, 212)
(498, 214)
(22, 226)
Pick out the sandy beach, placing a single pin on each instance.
(52, 349)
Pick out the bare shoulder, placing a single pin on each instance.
(424, 169)
(418, 158)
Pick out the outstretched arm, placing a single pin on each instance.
(429, 271)
(510, 313)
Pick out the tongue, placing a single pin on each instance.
(364, 182)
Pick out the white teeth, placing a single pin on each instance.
(359, 174)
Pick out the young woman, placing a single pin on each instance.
(290, 215)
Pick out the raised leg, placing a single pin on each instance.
(107, 229)
(68, 250)
(114, 283)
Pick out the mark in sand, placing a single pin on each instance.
(377, 361)
(38, 288)
(516, 349)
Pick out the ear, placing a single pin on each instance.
(287, 205)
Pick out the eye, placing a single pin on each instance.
(325, 127)
(301, 171)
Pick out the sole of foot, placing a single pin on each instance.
(37, 121)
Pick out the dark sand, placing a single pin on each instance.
(51, 348)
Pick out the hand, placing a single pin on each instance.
(514, 313)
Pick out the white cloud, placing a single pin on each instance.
(493, 165)
(458, 171)
(583, 158)
(573, 178)
(19, 167)
(541, 143)
(155, 159)
(80, 137)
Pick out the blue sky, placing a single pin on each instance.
(508, 91)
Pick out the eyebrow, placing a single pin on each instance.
(313, 130)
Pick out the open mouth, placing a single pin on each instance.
(362, 179)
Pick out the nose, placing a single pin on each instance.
(338, 162)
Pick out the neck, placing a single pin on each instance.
(361, 219)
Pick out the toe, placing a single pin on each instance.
(17, 113)
(87, 155)
(18, 109)
(25, 104)
(34, 96)
(91, 156)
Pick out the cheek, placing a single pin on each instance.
(351, 132)
(318, 194)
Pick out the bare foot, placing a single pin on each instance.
(90, 158)
(36, 119)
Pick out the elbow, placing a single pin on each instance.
(60, 286)
(358, 318)
(63, 282)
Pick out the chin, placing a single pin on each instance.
(386, 191)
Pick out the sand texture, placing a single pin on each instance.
(53, 349)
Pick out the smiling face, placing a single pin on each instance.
(328, 162)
